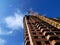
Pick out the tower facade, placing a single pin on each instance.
(40, 30)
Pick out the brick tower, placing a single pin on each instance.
(40, 30)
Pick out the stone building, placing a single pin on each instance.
(40, 30)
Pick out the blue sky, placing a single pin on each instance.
(12, 13)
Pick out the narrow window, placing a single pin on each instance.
(36, 37)
(38, 43)
(34, 33)
(47, 42)
(28, 43)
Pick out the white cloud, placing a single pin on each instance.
(2, 42)
(14, 22)
(2, 32)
